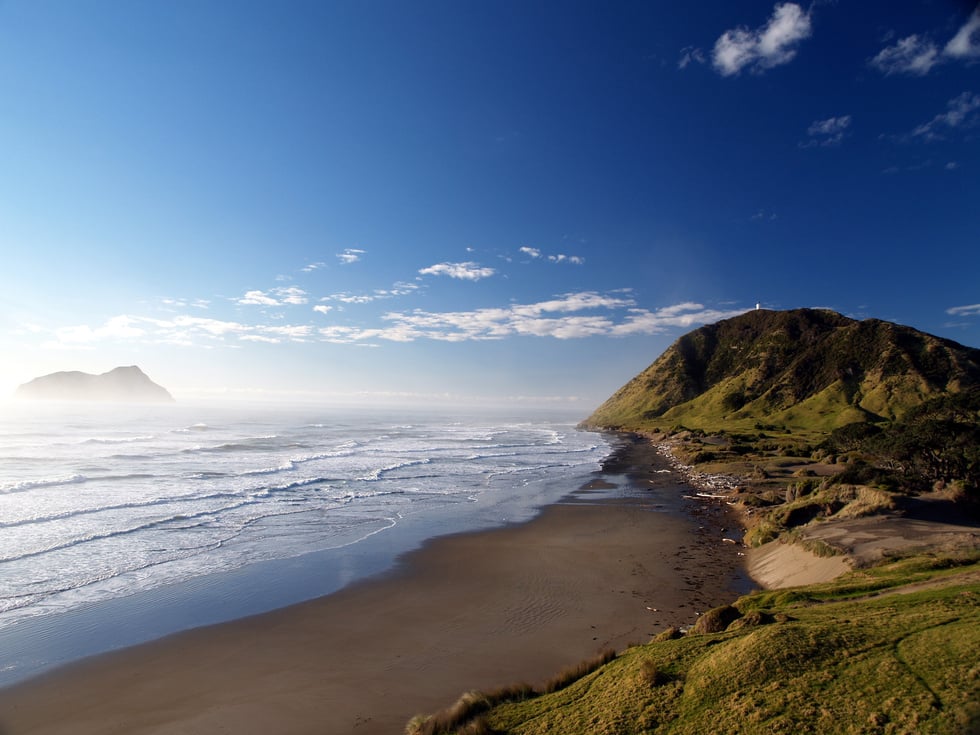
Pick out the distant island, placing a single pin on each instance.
(121, 385)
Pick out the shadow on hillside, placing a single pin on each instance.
(940, 510)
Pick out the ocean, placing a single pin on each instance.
(119, 524)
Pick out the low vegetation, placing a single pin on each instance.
(892, 649)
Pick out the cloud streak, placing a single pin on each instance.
(914, 55)
(350, 255)
(576, 315)
(917, 55)
(286, 295)
(966, 43)
(536, 254)
(559, 318)
(182, 330)
(969, 310)
(829, 132)
(463, 271)
(961, 112)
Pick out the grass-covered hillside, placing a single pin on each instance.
(806, 369)
(893, 649)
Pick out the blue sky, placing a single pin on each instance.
(500, 200)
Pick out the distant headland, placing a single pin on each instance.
(120, 385)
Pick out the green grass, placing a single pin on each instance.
(893, 649)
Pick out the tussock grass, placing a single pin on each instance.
(464, 717)
(574, 673)
(450, 720)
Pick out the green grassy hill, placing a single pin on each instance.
(809, 369)
(894, 649)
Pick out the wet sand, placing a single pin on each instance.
(470, 611)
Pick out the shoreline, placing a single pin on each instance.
(613, 564)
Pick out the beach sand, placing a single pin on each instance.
(469, 611)
(776, 565)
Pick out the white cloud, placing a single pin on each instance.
(970, 310)
(291, 295)
(966, 43)
(560, 318)
(960, 113)
(260, 338)
(258, 298)
(350, 255)
(690, 55)
(293, 332)
(400, 288)
(573, 302)
(117, 328)
(181, 330)
(277, 297)
(463, 271)
(765, 47)
(322, 309)
(911, 55)
(313, 267)
(562, 258)
(346, 298)
(641, 321)
(559, 258)
(184, 303)
(918, 54)
(827, 132)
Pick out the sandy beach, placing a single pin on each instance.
(470, 611)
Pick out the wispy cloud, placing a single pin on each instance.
(346, 298)
(918, 54)
(121, 327)
(313, 267)
(463, 271)
(966, 43)
(560, 318)
(765, 47)
(350, 255)
(181, 330)
(290, 295)
(258, 298)
(829, 132)
(970, 310)
(558, 258)
(400, 288)
(568, 316)
(184, 303)
(913, 54)
(691, 55)
(961, 112)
